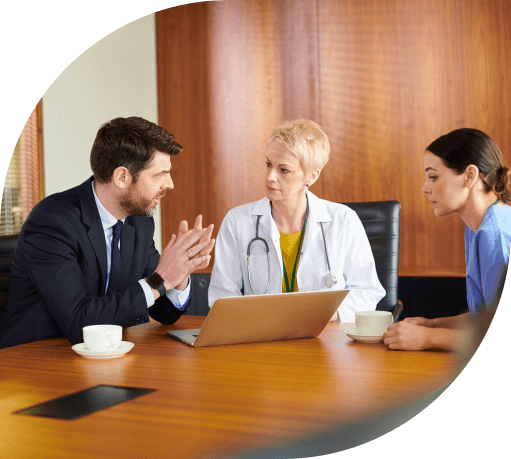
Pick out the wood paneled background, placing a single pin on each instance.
(383, 79)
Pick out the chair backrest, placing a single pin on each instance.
(8, 246)
(199, 289)
(381, 223)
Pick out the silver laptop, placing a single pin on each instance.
(254, 318)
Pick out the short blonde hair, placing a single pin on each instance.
(306, 140)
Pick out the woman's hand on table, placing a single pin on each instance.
(407, 336)
(420, 321)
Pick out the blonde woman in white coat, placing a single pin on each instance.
(303, 243)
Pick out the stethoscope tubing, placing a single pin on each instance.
(267, 249)
(330, 280)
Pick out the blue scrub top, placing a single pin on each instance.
(487, 258)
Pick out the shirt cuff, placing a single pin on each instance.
(147, 292)
(177, 297)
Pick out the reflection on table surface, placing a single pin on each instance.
(218, 401)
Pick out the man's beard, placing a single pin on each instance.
(137, 206)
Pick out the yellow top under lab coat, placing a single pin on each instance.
(349, 253)
(289, 245)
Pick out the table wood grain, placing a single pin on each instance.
(209, 402)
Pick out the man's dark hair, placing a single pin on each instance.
(131, 143)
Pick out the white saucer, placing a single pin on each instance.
(352, 333)
(123, 348)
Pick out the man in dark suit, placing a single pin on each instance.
(86, 256)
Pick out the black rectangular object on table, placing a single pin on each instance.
(84, 402)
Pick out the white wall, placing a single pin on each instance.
(115, 77)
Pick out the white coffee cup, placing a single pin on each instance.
(372, 323)
(102, 337)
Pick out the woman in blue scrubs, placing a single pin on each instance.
(465, 174)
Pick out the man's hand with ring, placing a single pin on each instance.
(206, 237)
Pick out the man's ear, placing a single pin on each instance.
(122, 178)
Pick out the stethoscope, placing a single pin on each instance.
(330, 280)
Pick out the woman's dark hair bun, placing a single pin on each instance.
(502, 185)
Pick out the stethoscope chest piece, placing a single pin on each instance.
(330, 280)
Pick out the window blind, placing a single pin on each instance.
(23, 185)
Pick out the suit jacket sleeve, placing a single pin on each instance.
(67, 278)
(65, 272)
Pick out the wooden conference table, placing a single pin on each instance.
(225, 401)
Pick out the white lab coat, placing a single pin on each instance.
(349, 253)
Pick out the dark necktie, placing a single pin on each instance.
(115, 269)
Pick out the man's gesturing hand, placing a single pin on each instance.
(189, 251)
(183, 227)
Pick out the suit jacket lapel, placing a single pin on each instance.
(90, 218)
(127, 248)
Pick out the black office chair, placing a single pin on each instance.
(199, 290)
(381, 223)
(8, 246)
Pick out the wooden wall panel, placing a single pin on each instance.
(383, 78)
(227, 75)
(394, 76)
(183, 107)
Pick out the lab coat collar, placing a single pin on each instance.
(317, 213)
(263, 208)
(317, 209)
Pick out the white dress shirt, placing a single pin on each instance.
(177, 297)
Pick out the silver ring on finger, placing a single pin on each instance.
(189, 258)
